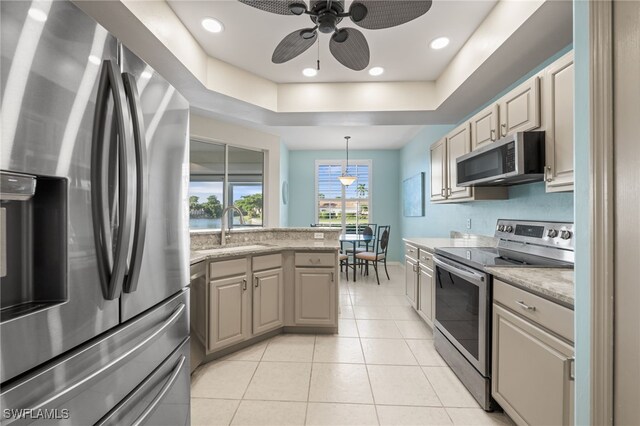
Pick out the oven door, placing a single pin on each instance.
(462, 310)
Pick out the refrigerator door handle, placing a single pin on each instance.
(142, 205)
(163, 391)
(111, 267)
(77, 387)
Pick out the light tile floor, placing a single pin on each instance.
(381, 369)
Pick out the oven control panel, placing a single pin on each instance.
(551, 234)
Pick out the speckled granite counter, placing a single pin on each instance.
(554, 284)
(430, 244)
(253, 248)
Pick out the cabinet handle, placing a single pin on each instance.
(547, 174)
(448, 192)
(411, 251)
(493, 135)
(244, 285)
(332, 276)
(572, 370)
(503, 126)
(442, 193)
(257, 282)
(525, 306)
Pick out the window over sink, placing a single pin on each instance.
(222, 175)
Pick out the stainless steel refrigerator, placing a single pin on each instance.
(94, 263)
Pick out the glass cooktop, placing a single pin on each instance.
(481, 257)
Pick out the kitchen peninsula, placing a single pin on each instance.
(261, 283)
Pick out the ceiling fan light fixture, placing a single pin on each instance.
(298, 8)
(439, 43)
(310, 72)
(212, 25)
(376, 71)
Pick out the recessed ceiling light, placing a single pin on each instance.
(439, 43)
(94, 60)
(310, 72)
(376, 71)
(212, 25)
(37, 14)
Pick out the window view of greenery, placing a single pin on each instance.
(207, 197)
(339, 205)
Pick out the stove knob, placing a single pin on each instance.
(498, 227)
(501, 228)
(565, 235)
(552, 233)
(509, 228)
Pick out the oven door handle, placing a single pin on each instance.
(472, 276)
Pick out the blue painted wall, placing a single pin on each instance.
(385, 183)
(284, 177)
(582, 216)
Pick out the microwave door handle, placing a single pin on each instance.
(111, 268)
(471, 276)
(142, 182)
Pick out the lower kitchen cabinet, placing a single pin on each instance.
(425, 295)
(228, 311)
(315, 297)
(532, 371)
(411, 278)
(268, 300)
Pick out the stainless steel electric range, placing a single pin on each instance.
(462, 332)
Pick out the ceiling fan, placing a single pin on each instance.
(347, 45)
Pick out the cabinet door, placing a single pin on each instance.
(315, 297)
(531, 371)
(484, 127)
(438, 170)
(411, 281)
(458, 144)
(426, 295)
(228, 311)
(559, 122)
(520, 108)
(268, 300)
(199, 317)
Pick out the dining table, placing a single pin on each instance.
(355, 240)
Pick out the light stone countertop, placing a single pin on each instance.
(255, 248)
(430, 244)
(551, 283)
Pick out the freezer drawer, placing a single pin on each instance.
(89, 382)
(161, 399)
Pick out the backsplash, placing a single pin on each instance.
(205, 240)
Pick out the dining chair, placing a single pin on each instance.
(380, 253)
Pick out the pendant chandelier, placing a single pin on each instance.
(345, 179)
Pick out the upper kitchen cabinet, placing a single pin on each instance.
(558, 117)
(484, 127)
(438, 156)
(444, 170)
(520, 108)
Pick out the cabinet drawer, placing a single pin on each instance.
(426, 259)
(550, 315)
(269, 261)
(316, 259)
(227, 268)
(411, 251)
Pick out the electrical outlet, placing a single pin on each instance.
(318, 235)
(468, 223)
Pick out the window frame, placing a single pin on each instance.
(343, 199)
(226, 190)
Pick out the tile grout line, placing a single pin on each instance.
(313, 353)
(366, 367)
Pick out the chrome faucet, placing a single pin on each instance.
(225, 218)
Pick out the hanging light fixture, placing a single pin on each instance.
(345, 179)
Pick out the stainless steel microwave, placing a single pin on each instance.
(513, 160)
